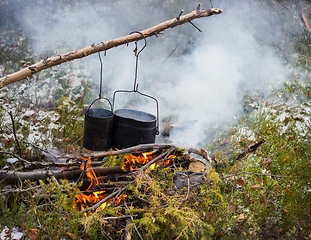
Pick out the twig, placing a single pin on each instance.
(51, 175)
(47, 151)
(188, 185)
(105, 234)
(259, 174)
(36, 147)
(170, 54)
(252, 148)
(42, 164)
(178, 17)
(14, 133)
(134, 224)
(185, 227)
(115, 198)
(166, 157)
(19, 158)
(242, 190)
(143, 200)
(97, 205)
(113, 218)
(195, 26)
(147, 165)
(198, 7)
(83, 173)
(18, 190)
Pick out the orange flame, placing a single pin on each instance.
(132, 162)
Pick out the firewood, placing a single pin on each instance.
(14, 176)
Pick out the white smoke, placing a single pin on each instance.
(198, 87)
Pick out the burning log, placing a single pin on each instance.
(104, 46)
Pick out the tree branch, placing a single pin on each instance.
(104, 46)
(14, 176)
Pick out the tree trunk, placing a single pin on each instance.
(103, 46)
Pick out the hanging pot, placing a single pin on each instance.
(133, 127)
(98, 123)
(98, 126)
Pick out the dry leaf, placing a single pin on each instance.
(266, 162)
(32, 234)
(241, 182)
(71, 235)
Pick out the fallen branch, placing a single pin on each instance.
(251, 149)
(104, 46)
(14, 176)
(142, 147)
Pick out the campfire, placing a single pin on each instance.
(133, 162)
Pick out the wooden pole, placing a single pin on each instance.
(104, 46)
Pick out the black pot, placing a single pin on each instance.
(98, 126)
(132, 127)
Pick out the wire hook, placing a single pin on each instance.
(137, 54)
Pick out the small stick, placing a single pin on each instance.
(252, 148)
(170, 54)
(143, 200)
(14, 133)
(19, 158)
(97, 205)
(198, 7)
(259, 174)
(134, 224)
(152, 162)
(188, 185)
(83, 173)
(110, 218)
(51, 175)
(178, 18)
(115, 198)
(195, 26)
(166, 157)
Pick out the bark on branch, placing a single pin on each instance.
(103, 46)
(13, 176)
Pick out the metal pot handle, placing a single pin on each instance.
(100, 99)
